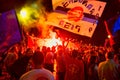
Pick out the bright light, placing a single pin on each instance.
(23, 13)
(52, 41)
(109, 36)
(49, 42)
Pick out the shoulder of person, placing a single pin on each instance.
(39, 72)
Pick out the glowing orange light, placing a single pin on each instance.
(52, 41)
(109, 36)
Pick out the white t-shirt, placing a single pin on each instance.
(36, 74)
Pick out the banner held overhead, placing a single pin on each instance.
(76, 16)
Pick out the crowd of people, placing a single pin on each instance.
(61, 63)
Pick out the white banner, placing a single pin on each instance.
(77, 16)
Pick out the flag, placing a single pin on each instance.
(9, 30)
(116, 26)
(111, 40)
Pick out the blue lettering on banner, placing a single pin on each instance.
(85, 3)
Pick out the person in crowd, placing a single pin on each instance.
(108, 70)
(53, 49)
(49, 60)
(1, 65)
(92, 68)
(60, 63)
(74, 66)
(9, 60)
(11, 57)
(37, 49)
(117, 60)
(19, 67)
(44, 50)
(2, 56)
(38, 72)
(101, 56)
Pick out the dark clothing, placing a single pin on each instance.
(92, 72)
(49, 67)
(61, 75)
(19, 67)
(2, 57)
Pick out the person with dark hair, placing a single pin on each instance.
(49, 60)
(38, 72)
(60, 63)
(108, 70)
(92, 68)
(74, 66)
(19, 67)
(2, 56)
(9, 60)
